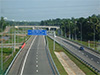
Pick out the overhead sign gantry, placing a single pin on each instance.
(37, 32)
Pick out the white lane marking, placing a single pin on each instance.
(44, 40)
(27, 56)
(36, 61)
(36, 70)
(36, 65)
(36, 58)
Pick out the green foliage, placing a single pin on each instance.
(88, 26)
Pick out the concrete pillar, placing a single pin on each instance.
(49, 28)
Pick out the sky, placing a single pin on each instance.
(37, 10)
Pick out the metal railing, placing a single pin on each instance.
(79, 58)
(56, 72)
(9, 67)
(82, 45)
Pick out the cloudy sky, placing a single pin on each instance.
(37, 10)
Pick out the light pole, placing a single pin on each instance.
(94, 33)
(81, 32)
(24, 30)
(2, 49)
(69, 31)
(75, 30)
(12, 38)
(94, 36)
(54, 41)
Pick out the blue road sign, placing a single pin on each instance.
(37, 32)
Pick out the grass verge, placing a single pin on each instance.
(87, 70)
(57, 63)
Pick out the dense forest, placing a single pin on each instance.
(77, 27)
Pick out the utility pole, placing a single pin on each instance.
(54, 42)
(81, 33)
(2, 50)
(14, 39)
(75, 31)
(94, 36)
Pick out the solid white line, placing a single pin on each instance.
(27, 56)
(44, 40)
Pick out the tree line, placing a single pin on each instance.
(3, 24)
(77, 27)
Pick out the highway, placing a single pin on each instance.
(87, 55)
(35, 60)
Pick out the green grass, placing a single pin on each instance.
(58, 64)
(82, 66)
(7, 52)
(85, 43)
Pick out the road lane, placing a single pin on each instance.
(37, 61)
(16, 67)
(83, 54)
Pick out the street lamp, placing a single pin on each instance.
(81, 33)
(12, 38)
(69, 31)
(24, 29)
(94, 33)
(75, 30)
(2, 49)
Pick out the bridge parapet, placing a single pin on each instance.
(49, 27)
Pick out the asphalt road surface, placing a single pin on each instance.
(35, 61)
(87, 55)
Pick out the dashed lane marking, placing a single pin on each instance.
(36, 65)
(36, 70)
(36, 61)
(36, 58)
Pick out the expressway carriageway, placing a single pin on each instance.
(35, 61)
(89, 56)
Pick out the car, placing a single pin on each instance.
(81, 48)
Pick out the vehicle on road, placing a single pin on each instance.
(81, 48)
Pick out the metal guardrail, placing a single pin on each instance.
(85, 62)
(51, 59)
(14, 59)
(82, 45)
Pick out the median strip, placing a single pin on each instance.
(81, 65)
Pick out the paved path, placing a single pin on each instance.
(70, 67)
